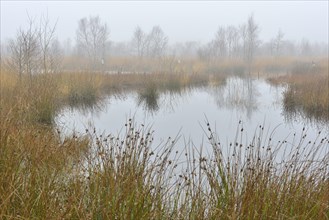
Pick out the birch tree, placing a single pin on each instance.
(139, 42)
(24, 50)
(46, 36)
(252, 41)
(157, 42)
(92, 38)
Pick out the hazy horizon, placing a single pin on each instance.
(180, 20)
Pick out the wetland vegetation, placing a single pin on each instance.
(253, 156)
(106, 176)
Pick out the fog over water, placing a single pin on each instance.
(180, 20)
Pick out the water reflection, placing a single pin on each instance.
(149, 99)
(170, 111)
(293, 115)
(89, 108)
(171, 100)
(238, 93)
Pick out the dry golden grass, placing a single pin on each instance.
(308, 89)
(43, 176)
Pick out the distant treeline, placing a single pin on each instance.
(37, 49)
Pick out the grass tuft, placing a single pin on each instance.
(47, 175)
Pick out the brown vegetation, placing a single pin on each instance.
(307, 89)
(43, 176)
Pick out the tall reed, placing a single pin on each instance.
(47, 175)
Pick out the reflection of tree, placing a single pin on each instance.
(168, 98)
(250, 103)
(238, 93)
(171, 99)
(149, 99)
(91, 108)
(98, 106)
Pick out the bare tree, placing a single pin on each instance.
(32, 49)
(157, 42)
(244, 39)
(55, 56)
(24, 50)
(232, 41)
(46, 35)
(92, 37)
(139, 41)
(252, 31)
(16, 60)
(278, 41)
(220, 44)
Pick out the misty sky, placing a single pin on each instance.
(180, 20)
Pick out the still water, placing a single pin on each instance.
(239, 103)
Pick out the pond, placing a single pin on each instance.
(251, 105)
